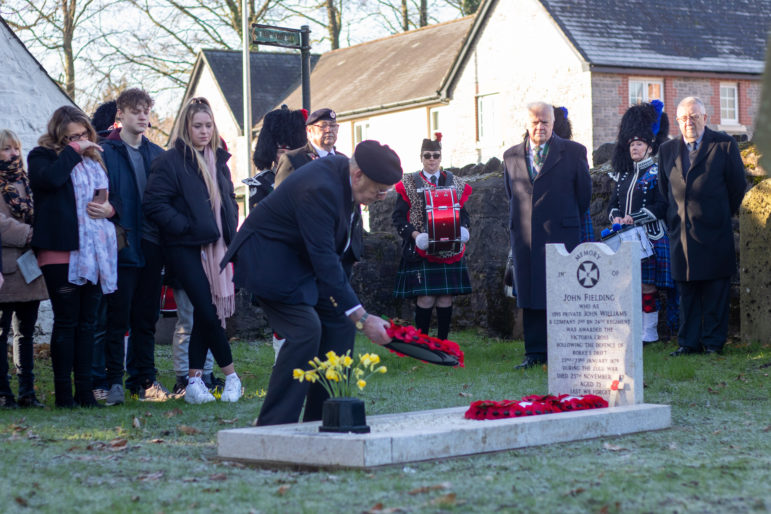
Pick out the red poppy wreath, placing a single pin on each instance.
(408, 341)
(532, 405)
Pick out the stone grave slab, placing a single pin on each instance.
(594, 322)
(426, 435)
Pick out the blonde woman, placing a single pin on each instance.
(75, 244)
(190, 197)
(17, 296)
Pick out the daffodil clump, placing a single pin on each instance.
(339, 375)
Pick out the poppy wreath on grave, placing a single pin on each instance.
(411, 335)
(532, 405)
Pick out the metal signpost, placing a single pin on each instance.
(299, 39)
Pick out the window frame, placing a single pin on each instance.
(723, 119)
(646, 82)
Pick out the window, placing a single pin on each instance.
(433, 116)
(729, 103)
(486, 117)
(360, 131)
(645, 90)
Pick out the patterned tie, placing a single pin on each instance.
(433, 179)
(538, 160)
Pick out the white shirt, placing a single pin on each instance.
(429, 175)
(322, 152)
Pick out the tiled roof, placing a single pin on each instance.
(400, 69)
(727, 36)
(273, 76)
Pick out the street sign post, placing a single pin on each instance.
(298, 39)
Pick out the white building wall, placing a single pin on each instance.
(403, 131)
(521, 56)
(29, 96)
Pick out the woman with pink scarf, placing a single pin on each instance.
(190, 197)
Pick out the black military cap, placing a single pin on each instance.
(378, 162)
(321, 115)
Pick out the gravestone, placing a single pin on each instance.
(594, 321)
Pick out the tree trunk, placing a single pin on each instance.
(423, 13)
(405, 16)
(333, 24)
(68, 31)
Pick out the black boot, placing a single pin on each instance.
(63, 393)
(84, 395)
(443, 317)
(422, 319)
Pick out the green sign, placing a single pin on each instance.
(276, 36)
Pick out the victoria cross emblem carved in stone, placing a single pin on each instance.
(588, 274)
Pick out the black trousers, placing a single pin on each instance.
(118, 310)
(534, 328)
(72, 339)
(310, 332)
(145, 309)
(23, 329)
(703, 313)
(207, 333)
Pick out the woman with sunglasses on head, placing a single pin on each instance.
(75, 243)
(17, 296)
(190, 197)
(431, 278)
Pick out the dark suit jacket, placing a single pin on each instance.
(290, 247)
(700, 205)
(294, 159)
(547, 210)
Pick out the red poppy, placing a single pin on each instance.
(412, 335)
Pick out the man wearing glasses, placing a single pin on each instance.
(321, 128)
(701, 175)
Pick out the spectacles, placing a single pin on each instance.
(77, 137)
(327, 126)
(693, 117)
(429, 155)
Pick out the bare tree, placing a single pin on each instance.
(56, 26)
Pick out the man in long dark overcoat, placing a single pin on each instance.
(701, 175)
(549, 188)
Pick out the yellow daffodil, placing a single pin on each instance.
(358, 372)
(364, 359)
(347, 361)
(362, 384)
(311, 376)
(298, 374)
(374, 358)
(332, 358)
(381, 369)
(332, 375)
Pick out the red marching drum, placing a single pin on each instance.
(442, 220)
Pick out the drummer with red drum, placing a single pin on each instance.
(429, 272)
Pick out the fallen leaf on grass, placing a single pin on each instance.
(767, 429)
(218, 477)
(283, 490)
(577, 491)
(135, 498)
(148, 477)
(447, 500)
(378, 509)
(173, 412)
(741, 378)
(712, 391)
(32, 435)
(429, 488)
(157, 441)
(118, 444)
(227, 421)
(21, 501)
(185, 429)
(136, 423)
(613, 447)
(464, 394)
(18, 428)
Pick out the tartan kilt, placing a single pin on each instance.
(655, 269)
(424, 278)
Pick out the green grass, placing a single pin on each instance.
(161, 457)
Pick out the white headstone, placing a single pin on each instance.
(594, 313)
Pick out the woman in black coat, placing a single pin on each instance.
(190, 197)
(75, 244)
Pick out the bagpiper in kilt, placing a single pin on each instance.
(432, 279)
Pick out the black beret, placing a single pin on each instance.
(431, 145)
(378, 162)
(321, 115)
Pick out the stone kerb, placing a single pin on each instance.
(755, 251)
(594, 321)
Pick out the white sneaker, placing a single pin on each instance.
(196, 391)
(233, 390)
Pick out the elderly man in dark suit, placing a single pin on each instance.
(549, 189)
(289, 254)
(701, 175)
